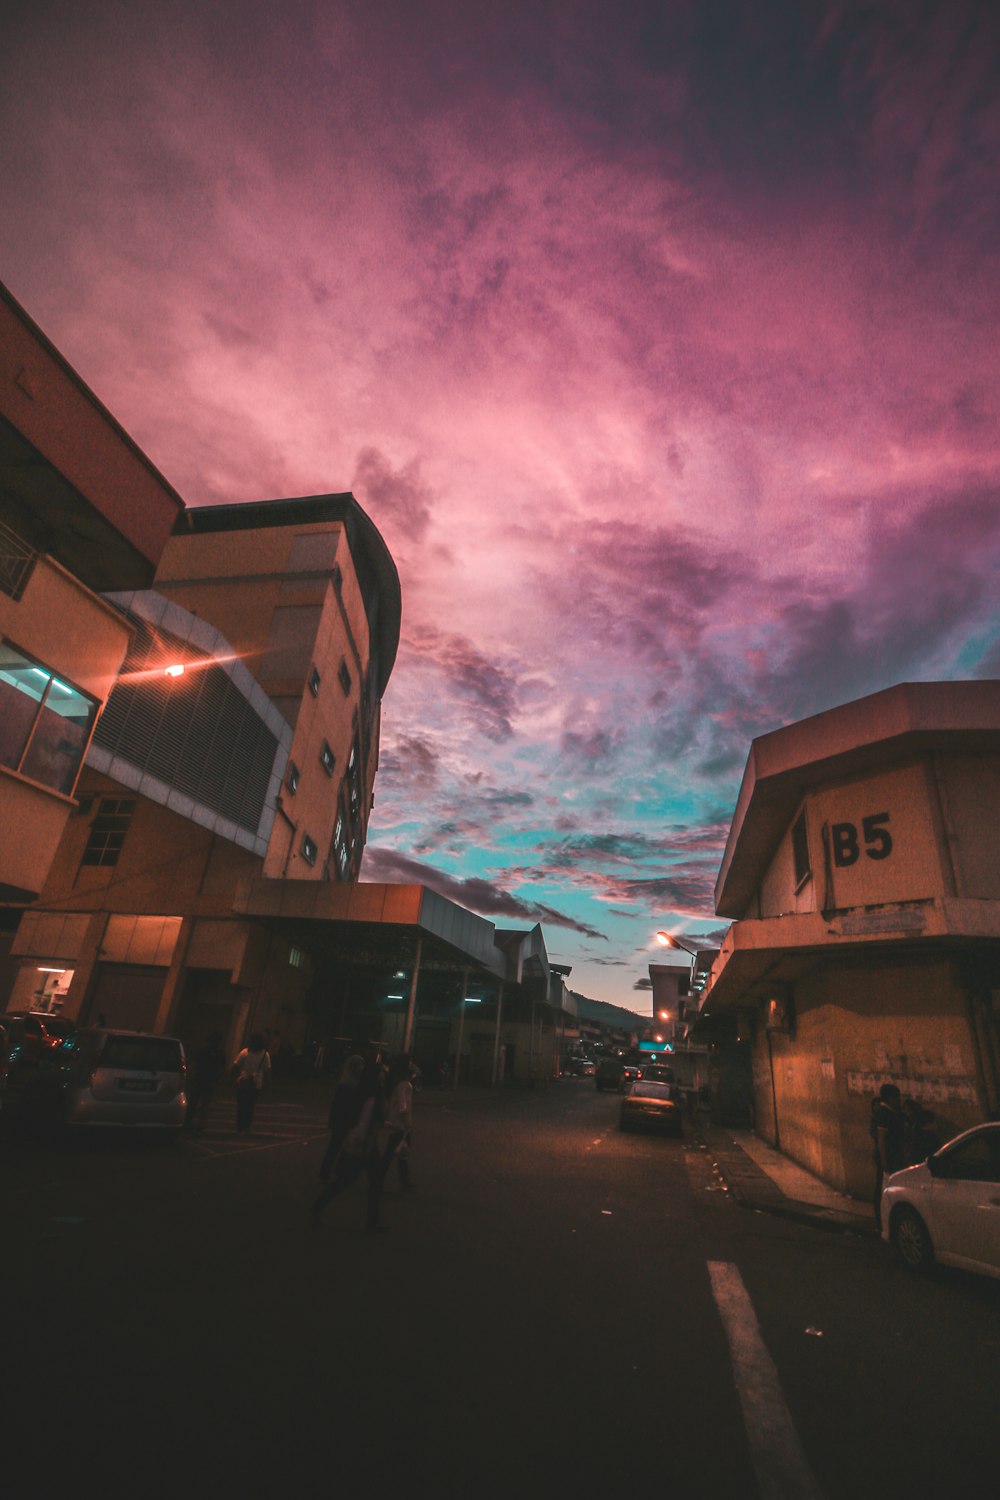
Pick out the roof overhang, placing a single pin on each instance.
(375, 924)
(759, 954)
(882, 729)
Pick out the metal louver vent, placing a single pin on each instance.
(197, 732)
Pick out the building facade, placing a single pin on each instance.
(82, 511)
(219, 761)
(862, 877)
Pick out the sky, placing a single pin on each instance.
(660, 342)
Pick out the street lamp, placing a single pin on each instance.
(667, 940)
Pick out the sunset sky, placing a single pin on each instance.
(660, 341)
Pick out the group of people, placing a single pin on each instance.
(371, 1122)
(901, 1136)
(370, 1119)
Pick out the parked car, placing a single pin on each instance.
(29, 1031)
(57, 1028)
(102, 1077)
(609, 1074)
(24, 1047)
(947, 1209)
(657, 1073)
(653, 1106)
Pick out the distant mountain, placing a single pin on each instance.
(610, 1015)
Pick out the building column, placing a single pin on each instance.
(170, 998)
(496, 1035)
(411, 1009)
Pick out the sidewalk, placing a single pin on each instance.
(759, 1177)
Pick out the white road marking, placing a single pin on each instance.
(782, 1469)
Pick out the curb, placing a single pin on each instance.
(750, 1188)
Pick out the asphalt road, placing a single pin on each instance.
(555, 1308)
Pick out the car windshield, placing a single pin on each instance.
(145, 1054)
(652, 1091)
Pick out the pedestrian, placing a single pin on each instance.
(359, 1153)
(206, 1072)
(344, 1108)
(888, 1146)
(918, 1138)
(398, 1119)
(251, 1070)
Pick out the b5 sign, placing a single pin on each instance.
(848, 841)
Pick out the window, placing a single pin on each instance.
(108, 830)
(800, 850)
(354, 783)
(341, 852)
(292, 777)
(327, 759)
(344, 676)
(296, 958)
(314, 682)
(309, 850)
(976, 1160)
(16, 562)
(44, 723)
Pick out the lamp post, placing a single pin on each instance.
(667, 940)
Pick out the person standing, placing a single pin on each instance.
(398, 1119)
(206, 1072)
(251, 1070)
(359, 1153)
(344, 1109)
(888, 1140)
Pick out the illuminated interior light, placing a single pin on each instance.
(43, 970)
(176, 670)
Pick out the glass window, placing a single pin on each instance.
(314, 682)
(345, 676)
(800, 850)
(108, 830)
(292, 779)
(309, 849)
(44, 722)
(976, 1160)
(328, 759)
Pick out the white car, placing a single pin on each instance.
(948, 1208)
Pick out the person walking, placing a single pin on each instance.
(398, 1119)
(206, 1073)
(888, 1145)
(251, 1070)
(344, 1110)
(359, 1153)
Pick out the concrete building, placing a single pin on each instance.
(221, 759)
(862, 874)
(82, 511)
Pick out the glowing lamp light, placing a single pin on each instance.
(176, 670)
(667, 940)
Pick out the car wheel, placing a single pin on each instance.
(911, 1241)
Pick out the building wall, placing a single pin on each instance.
(855, 1028)
(970, 798)
(287, 598)
(872, 840)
